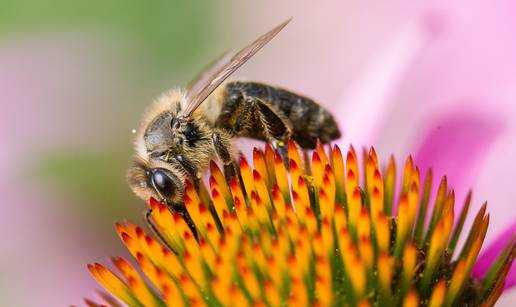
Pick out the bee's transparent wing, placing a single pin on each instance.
(196, 84)
(202, 86)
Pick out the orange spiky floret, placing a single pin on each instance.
(291, 233)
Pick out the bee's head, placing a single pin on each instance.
(163, 141)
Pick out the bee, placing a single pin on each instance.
(183, 130)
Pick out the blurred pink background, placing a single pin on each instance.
(433, 78)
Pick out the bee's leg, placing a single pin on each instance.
(221, 145)
(155, 230)
(191, 169)
(273, 125)
(181, 209)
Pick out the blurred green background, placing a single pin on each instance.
(156, 44)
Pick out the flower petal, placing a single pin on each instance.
(455, 144)
(367, 101)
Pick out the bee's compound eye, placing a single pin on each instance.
(163, 183)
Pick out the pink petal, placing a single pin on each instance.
(373, 91)
(490, 254)
(455, 145)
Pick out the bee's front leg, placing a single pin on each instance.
(190, 168)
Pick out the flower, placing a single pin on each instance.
(320, 232)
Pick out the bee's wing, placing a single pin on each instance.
(199, 89)
(195, 85)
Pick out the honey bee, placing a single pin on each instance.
(184, 130)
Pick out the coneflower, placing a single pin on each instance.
(319, 232)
